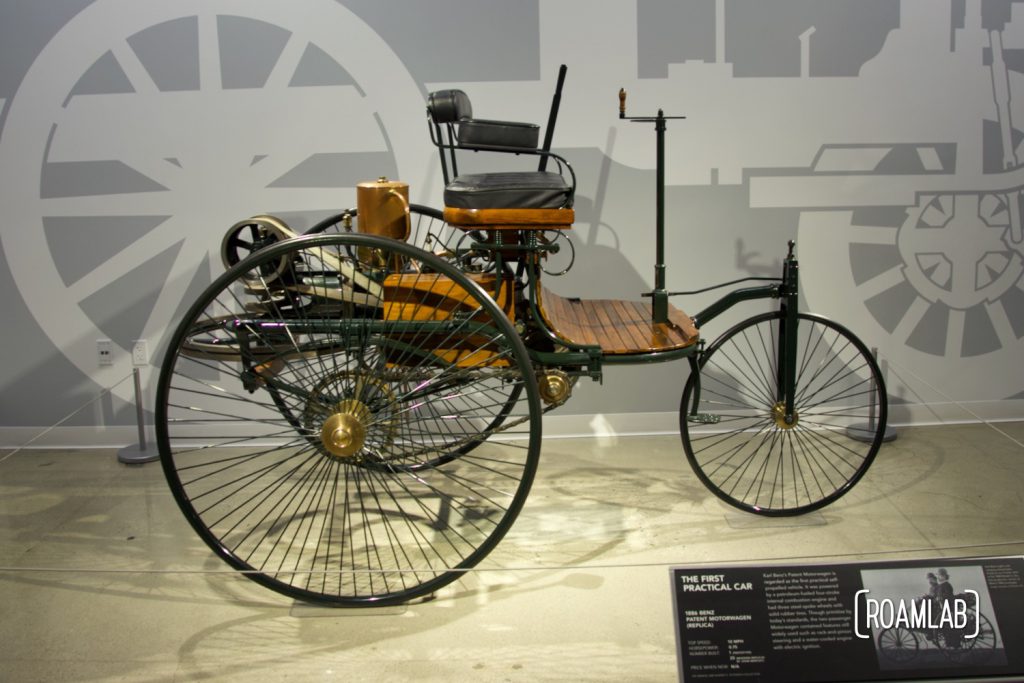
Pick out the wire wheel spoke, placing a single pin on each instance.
(348, 419)
(744, 451)
(898, 644)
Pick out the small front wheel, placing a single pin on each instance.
(735, 431)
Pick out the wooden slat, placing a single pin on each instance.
(681, 326)
(427, 296)
(575, 323)
(616, 336)
(610, 335)
(510, 219)
(618, 327)
(644, 332)
(430, 296)
(639, 338)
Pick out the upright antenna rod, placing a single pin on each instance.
(556, 100)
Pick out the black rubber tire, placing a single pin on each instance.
(739, 448)
(245, 393)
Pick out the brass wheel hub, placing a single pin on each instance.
(354, 414)
(555, 387)
(343, 433)
(779, 415)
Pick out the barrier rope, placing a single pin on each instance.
(954, 402)
(64, 419)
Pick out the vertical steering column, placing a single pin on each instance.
(659, 297)
(785, 407)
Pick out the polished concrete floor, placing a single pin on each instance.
(103, 580)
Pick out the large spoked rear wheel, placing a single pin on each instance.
(734, 433)
(357, 430)
(427, 230)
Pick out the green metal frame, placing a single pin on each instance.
(575, 359)
(583, 360)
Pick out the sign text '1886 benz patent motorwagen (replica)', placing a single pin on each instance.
(353, 416)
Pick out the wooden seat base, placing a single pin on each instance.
(618, 327)
(509, 219)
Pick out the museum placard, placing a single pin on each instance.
(900, 620)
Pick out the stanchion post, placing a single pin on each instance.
(137, 454)
(866, 431)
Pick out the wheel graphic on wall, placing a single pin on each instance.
(940, 282)
(940, 267)
(144, 130)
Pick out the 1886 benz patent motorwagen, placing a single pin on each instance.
(353, 416)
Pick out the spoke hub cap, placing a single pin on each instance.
(343, 433)
(779, 415)
(555, 387)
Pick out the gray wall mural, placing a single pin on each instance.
(881, 135)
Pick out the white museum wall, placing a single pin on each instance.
(879, 135)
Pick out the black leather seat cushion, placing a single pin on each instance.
(513, 190)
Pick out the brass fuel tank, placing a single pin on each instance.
(382, 208)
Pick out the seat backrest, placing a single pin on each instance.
(449, 106)
(445, 109)
(452, 125)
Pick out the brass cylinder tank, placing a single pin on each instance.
(382, 208)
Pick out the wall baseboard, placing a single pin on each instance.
(74, 437)
(556, 426)
(900, 415)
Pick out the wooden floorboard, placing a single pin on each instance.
(617, 326)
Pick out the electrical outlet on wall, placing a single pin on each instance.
(105, 352)
(140, 352)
